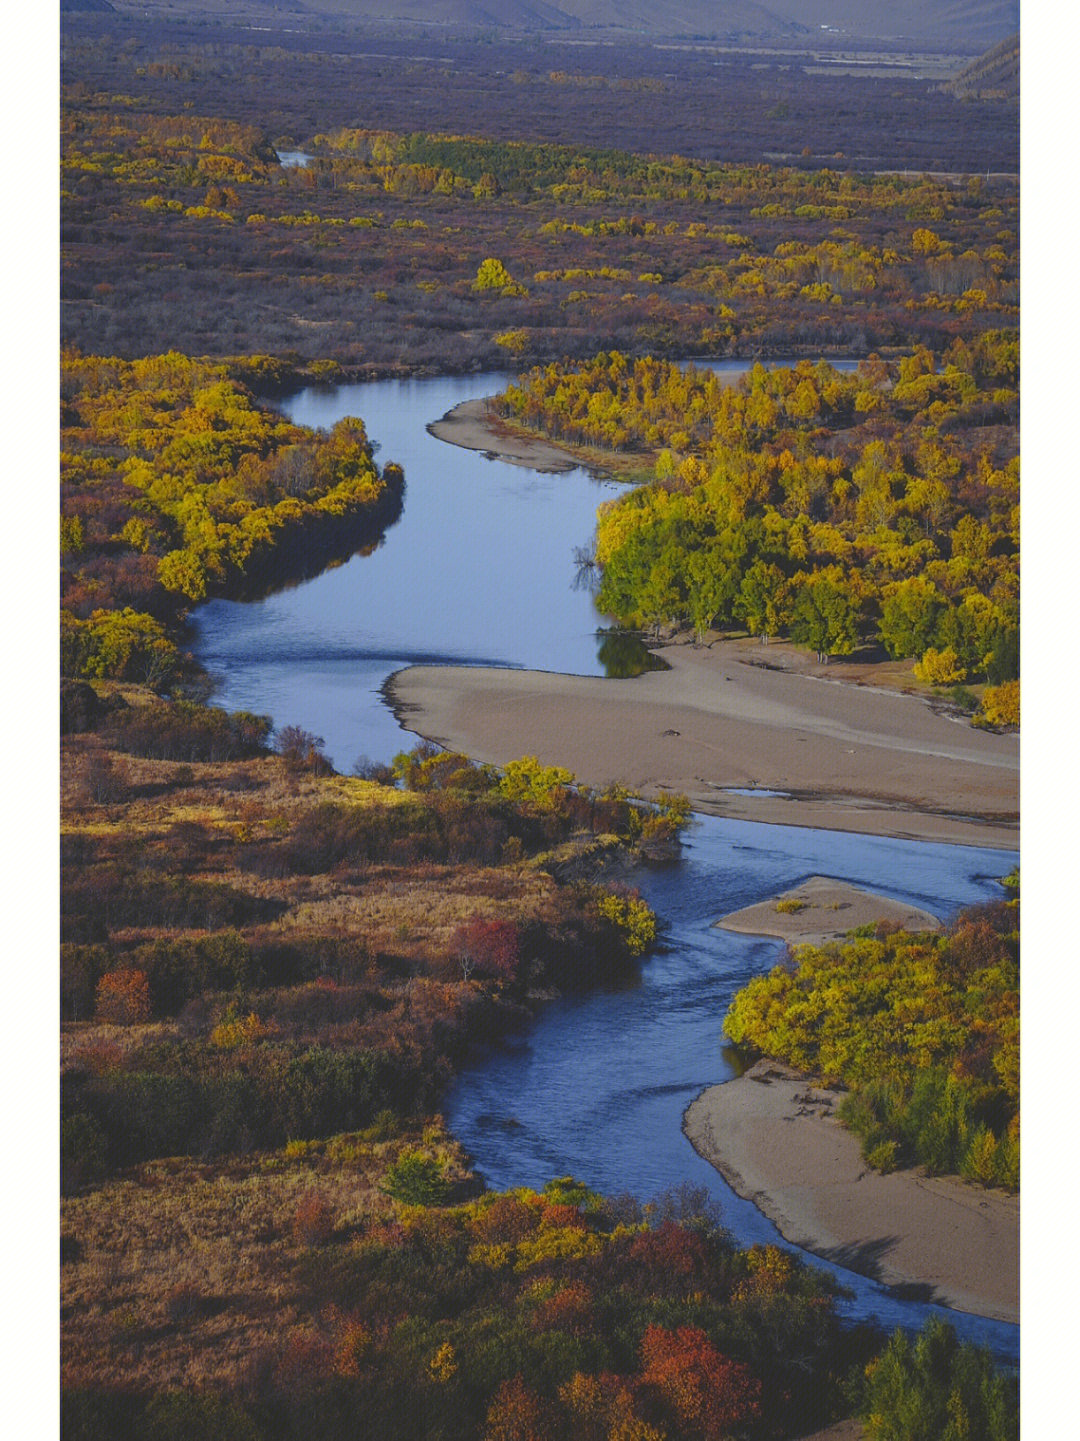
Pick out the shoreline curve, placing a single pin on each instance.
(773, 1136)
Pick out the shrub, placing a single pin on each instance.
(123, 997)
(303, 751)
(631, 917)
(980, 1159)
(181, 1415)
(313, 1221)
(790, 907)
(233, 1030)
(83, 1151)
(183, 1302)
(882, 1157)
(417, 1180)
(1001, 704)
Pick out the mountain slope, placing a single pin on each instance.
(993, 75)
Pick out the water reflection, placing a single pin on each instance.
(624, 654)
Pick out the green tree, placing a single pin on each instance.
(824, 614)
(934, 1389)
(762, 599)
(910, 612)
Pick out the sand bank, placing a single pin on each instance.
(470, 426)
(773, 1136)
(828, 909)
(751, 732)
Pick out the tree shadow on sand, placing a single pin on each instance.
(866, 1258)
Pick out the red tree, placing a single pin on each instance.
(706, 1389)
(123, 997)
(489, 946)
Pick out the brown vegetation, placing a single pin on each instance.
(368, 256)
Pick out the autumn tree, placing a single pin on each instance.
(910, 612)
(490, 945)
(123, 997)
(824, 615)
(762, 599)
(710, 1393)
(515, 1414)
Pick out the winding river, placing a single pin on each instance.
(480, 570)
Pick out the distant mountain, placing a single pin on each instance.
(712, 18)
(960, 24)
(965, 25)
(995, 75)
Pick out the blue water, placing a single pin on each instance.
(480, 569)
(598, 1086)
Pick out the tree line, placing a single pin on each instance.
(175, 486)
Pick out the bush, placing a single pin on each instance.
(630, 915)
(1001, 704)
(182, 1415)
(934, 1388)
(417, 1180)
(313, 1222)
(83, 1151)
(883, 1157)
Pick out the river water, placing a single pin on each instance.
(480, 569)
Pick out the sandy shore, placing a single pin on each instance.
(773, 1136)
(726, 725)
(827, 909)
(470, 426)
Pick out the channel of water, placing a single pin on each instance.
(480, 570)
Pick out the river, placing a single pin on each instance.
(480, 569)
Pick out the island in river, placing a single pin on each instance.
(821, 909)
(745, 731)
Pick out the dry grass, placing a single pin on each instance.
(410, 912)
(180, 1272)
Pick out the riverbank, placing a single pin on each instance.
(772, 1134)
(746, 732)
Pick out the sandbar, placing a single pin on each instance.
(773, 1136)
(827, 910)
(745, 731)
(472, 426)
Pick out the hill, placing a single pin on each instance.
(995, 75)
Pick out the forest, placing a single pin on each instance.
(176, 486)
(878, 507)
(269, 971)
